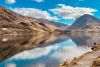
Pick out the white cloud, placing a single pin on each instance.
(35, 13)
(69, 12)
(10, 1)
(39, 0)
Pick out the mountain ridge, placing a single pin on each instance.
(10, 19)
(85, 22)
(55, 23)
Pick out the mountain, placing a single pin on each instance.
(55, 24)
(16, 22)
(86, 23)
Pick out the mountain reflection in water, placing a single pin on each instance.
(43, 50)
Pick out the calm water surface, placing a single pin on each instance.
(43, 50)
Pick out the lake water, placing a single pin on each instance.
(43, 50)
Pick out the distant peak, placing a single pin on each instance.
(86, 15)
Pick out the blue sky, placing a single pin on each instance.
(64, 11)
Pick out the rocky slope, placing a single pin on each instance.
(58, 25)
(86, 23)
(89, 59)
(10, 20)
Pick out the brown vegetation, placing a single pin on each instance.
(10, 19)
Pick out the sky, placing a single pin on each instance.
(63, 11)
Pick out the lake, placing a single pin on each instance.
(43, 50)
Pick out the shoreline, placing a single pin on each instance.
(89, 59)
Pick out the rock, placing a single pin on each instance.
(96, 47)
(96, 62)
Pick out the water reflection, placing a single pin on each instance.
(86, 38)
(47, 50)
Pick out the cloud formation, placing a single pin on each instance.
(69, 12)
(10, 1)
(39, 1)
(35, 13)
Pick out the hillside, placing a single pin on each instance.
(54, 23)
(16, 22)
